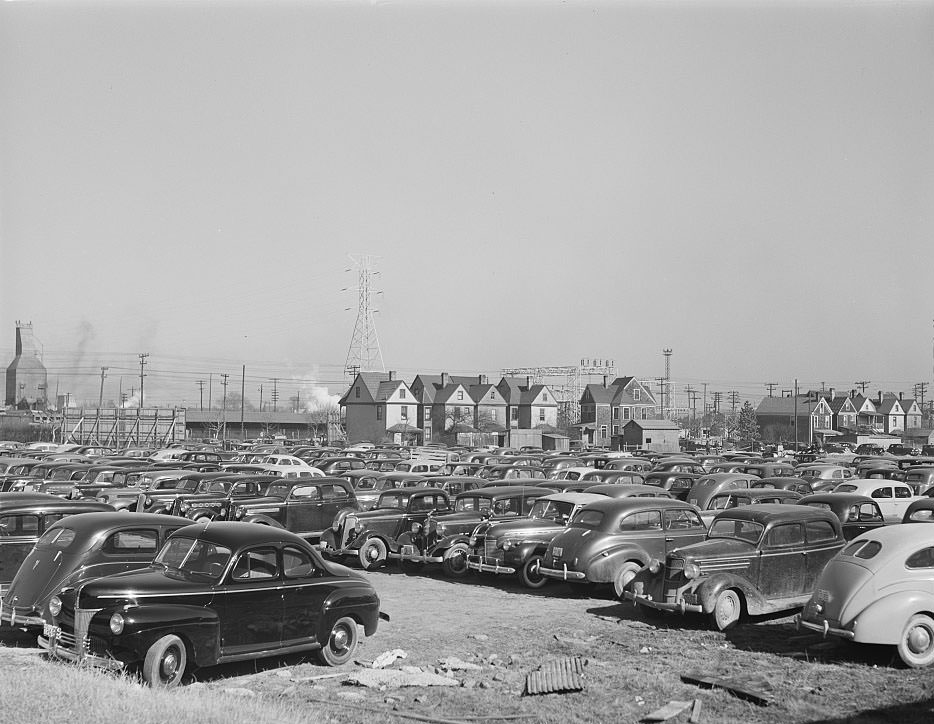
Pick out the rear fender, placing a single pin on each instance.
(602, 568)
(359, 602)
(882, 621)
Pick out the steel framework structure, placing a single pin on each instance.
(364, 354)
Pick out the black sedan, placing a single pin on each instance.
(214, 594)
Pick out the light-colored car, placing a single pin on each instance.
(892, 496)
(880, 590)
(823, 475)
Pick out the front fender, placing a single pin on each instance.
(262, 520)
(328, 539)
(522, 552)
(449, 540)
(199, 626)
(710, 588)
(882, 621)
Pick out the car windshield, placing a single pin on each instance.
(551, 509)
(219, 487)
(472, 503)
(366, 484)
(194, 557)
(394, 500)
(56, 539)
(278, 490)
(745, 530)
(588, 519)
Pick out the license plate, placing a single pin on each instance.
(408, 550)
(51, 632)
(558, 551)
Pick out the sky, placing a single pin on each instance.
(748, 184)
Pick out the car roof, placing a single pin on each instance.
(841, 498)
(109, 521)
(768, 512)
(494, 491)
(897, 539)
(634, 503)
(235, 535)
(575, 498)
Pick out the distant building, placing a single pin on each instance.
(26, 377)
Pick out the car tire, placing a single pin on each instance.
(529, 573)
(373, 554)
(165, 662)
(727, 610)
(916, 644)
(341, 643)
(624, 576)
(454, 564)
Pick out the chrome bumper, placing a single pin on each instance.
(409, 553)
(824, 628)
(562, 573)
(9, 616)
(479, 565)
(79, 657)
(679, 606)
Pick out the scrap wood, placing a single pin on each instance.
(695, 712)
(671, 709)
(743, 688)
(416, 717)
(375, 678)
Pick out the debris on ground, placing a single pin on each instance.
(389, 678)
(452, 663)
(388, 657)
(577, 641)
(755, 687)
(695, 712)
(561, 675)
(670, 710)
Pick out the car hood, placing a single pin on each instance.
(715, 548)
(148, 582)
(524, 527)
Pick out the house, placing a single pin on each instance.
(378, 407)
(605, 409)
(913, 414)
(776, 417)
(489, 408)
(424, 389)
(866, 416)
(657, 435)
(452, 411)
(843, 412)
(893, 416)
(528, 405)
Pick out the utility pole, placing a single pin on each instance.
(142, 363)
(224, 408)
(298, 400)
(705, 405)
(210, 392)
(796, 414)
(771, 386)
(242, 399)
(919, 392)
(717, 396)
(260, 398)
(666, 394)
(734, 400)
(862, 384)
(275, 394)
(100, 400)
(200, 384)
(692, 397)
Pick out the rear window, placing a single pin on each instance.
(820, 530)
(588, 519)
(132, 541)
(844, 488)
(59, 538)
(862, 549)
(923, 515)
(921, 559)
(820, 506)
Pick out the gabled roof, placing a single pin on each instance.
(443, 395)
(387, 388)
(599, 394)
(511, 389)
(860, 400)
(837, 403)
(481, 394)
(888, 405)
(533, 393)
(786, 406)
(654, 424)
(370, 382)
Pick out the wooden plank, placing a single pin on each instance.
(695, 712)
(760, 697)
(671, 709)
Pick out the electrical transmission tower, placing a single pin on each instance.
(364, 353)
(566, 382)
(666, 392)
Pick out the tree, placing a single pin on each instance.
(747, 426)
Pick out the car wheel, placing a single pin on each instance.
(341, 643)
(165, 662)
(916, 645)
(372, 554)
(726, 610)
(529, 573)
(454, 564)
(624, 577)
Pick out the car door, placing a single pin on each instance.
(18, 534)
(783, 566)
(249, 605)
(884, 495)
(903, 498)
(683, 526)
(303, 509)
(862, 517)
(822, 545)
(304, 591)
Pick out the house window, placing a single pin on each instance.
(515, 413)
(616, 429)
(545, 396)
(615, 413)
(401, 393)
(636, 394)
(645, 413)
(492, 394)
(648, 441)
(404, 412)
(541, 414)
(379, 412)
(627, 413)
(427, 414)
(460, 395)
(356, 392)
(603, 431)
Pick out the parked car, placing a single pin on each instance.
(213, 497)
(857, 513)
(611, 490)
(77, 549)
(795, 484)
(368, 485)
(679, 466)
(880, 590)
(715, 483)
(920, 511)
(738, 498)
(444, 538)
(455, 484)
(371, 535)
(893, 497)
(823, 476)
(677, 484)
(639, 465)
(24, 517)
(771, 469)
(517, 546)
(153, 481)
(609, 541)
(305, 506)
(190, 608)
(756, 560)
(920, 478)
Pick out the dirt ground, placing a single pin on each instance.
(633, 664)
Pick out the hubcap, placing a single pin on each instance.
(919, 640)
(169, 664)
(372, 553)
(339, 639)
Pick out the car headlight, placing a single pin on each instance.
(222, 512)
(507, 544)
(358, 525)
(148, 502)
(55, 605)
(472, 542)
(691, 570)
(655, 565)
(416, 527)
(101, 498)
(116, 623)
(184, 506)
(240, 512)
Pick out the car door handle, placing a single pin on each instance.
(669, 540)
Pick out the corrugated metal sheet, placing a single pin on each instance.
(557, 676)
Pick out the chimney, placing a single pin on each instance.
(880, 397)
(445, 379)
(900, 396)
(528, 382)
(392, 374)
(833, 393)
(605, 382)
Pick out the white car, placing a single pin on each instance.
(892, 496)
(289, 466)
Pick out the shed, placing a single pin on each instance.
(657, 435)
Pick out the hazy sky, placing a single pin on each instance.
(748, 184)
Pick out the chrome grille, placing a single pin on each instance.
(489, 547)
(83, 618)
(348, 530)
(141, 503)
